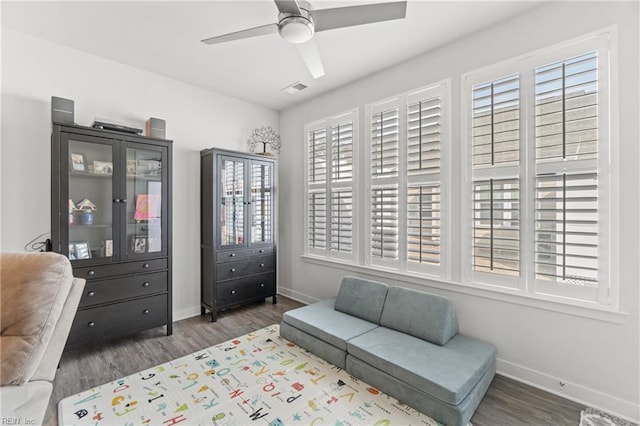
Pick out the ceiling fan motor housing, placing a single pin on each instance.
(296, 28)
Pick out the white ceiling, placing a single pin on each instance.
(164, 38)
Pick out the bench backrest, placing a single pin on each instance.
(424, 315)
(361, 298)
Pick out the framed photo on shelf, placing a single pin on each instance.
(132, 166)
(140, 244)
(72, 251)
(103, 167)
(154, 245)
(108, 248)
(78, 162)
(80, 250)
(148, 167)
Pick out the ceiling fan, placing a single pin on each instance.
(298, 22)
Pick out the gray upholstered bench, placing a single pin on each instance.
(404, 342)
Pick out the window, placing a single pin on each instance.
(407, 146)
(539, 164)
(496, 182)
(529, 216)
(330, 191)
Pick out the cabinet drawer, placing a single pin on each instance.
(254, 287)
(104, 291)
(233, 255)
(118, 319)
(107, 271)
(241, 268)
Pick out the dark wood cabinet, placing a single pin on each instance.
(238, 247)
(111, 215)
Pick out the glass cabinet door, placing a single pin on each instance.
(261, 205)
(91, 207)
(231, 201)
(145, 201)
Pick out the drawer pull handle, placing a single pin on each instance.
(233, 292)
(232, 255)
(233, 269)
(91, 324)
(116, 200)
(91, 273)
(146, 311)
(91, 293)
(262, 265)
(145, 284)
(261, 284)
(261, 251)
(146, 265)
(124, 200)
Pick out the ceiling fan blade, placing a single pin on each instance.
(311, 57)
(340, 17)
(251, 32)
(288, 6)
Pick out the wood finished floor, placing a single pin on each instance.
(507, 402)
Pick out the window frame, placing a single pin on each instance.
(602, 42)
(328, 187)
(402, 181)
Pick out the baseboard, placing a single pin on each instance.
(297, 296)
(186, 313)
(571, 391)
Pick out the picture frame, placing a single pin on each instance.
(108, 248)
(102, 167)
(154, 245)
(132, 167)
(139, 244)
(72, 251)
(149, 167)
(78, 162)
(81, 250)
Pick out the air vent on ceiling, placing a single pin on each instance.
(294, 88)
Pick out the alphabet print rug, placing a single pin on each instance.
(259, 378)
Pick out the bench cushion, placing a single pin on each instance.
(361, 298)
(324, 322)
(424, 315)
(447, 372)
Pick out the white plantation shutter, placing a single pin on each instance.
(384, 177)
(342, 132)
(542, 182)
(384, 223)
(567, 184)
(425, 144)
(496, 188)
(423, 136)
(317, 156)
(567, 228)
(496, 122)
(330, 192)
(408, 141)
(342, 151)
(317, 220)
(423, 224)
(385, 135)
(496, 226)
(567, 109)
(342, 221)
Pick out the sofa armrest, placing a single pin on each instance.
(49, 364)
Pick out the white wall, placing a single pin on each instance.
(33, 70)
(598, 360)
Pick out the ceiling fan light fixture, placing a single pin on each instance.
(296, 29)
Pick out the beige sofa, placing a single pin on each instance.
(39, 298)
